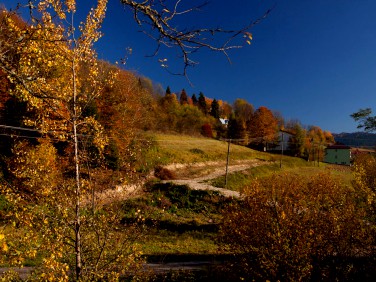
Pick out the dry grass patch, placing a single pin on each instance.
(186, 149)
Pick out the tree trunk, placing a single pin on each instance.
(78, 183)
(78, 206)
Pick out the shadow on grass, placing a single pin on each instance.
(172, 226)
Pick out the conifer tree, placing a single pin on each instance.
(236, 128)
(214, 111)
(194, 100)
(202, 103)
(183, 98)
(168, 90)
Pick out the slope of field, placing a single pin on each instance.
(187, 149)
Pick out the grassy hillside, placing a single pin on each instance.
(186, 149)
(181, 221)
(181, 149)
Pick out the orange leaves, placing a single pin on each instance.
(263, 125)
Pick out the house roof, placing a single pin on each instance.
(223, 121)
(344, 147)
(287, 132)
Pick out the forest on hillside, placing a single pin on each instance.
(122, 105)
(357, 139)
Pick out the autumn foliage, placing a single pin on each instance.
(74, 127)
(263, 126)
(292, 229)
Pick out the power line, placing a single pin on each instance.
(18, 128)
(354, 140)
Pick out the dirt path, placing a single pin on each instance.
(198, 183)
(192, 175)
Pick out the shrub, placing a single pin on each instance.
(365, 182)
(288, 229)
(207, 131)
(4, 206)
(163, 173)
(197, 151)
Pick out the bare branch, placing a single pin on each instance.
(159, 17)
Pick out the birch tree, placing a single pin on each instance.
(49, 64)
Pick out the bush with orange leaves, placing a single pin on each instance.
(291, 229)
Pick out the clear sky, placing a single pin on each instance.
(314, 61)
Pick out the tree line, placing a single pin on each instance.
(257, 128)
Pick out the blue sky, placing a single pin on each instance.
(310, 60)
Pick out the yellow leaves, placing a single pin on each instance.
(283, 215)
(58, 81)
(293, 219)
(71, 5)
(365, 179)
(100, 140)
(53, 270)
(90, 29)
(248, 36)
(36, 166)
(4, 246)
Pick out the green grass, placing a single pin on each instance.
(176, 219)
(159, 241)
(238, 180)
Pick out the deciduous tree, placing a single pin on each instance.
(263, 127)
(297, 140)
(243, 110)
(56, 74)
(315, 143)
(161, 17)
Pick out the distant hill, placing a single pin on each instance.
(356, 139)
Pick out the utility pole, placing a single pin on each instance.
(280, 163)
(228, 158)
